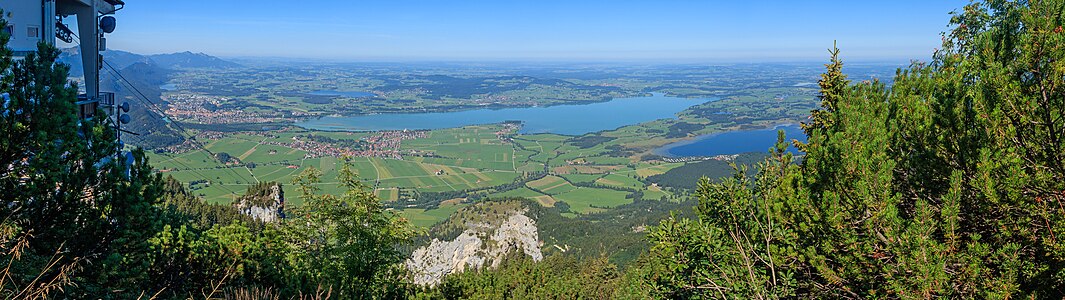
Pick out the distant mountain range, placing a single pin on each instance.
(122, 59)
(191, 60)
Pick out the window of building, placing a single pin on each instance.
(33, 32)
(9, 29)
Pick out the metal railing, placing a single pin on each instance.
(87, 106)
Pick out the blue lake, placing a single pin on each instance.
(560, 119)
(352, 94)
(733, 142)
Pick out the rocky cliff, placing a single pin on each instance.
(265, 202)
(484, 241)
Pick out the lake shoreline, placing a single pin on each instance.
(666, 150)
(564, 119)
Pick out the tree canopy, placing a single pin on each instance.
(948, 183)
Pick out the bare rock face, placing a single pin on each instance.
(480, 245)
(266, 204)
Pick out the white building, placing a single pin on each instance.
(34, 21)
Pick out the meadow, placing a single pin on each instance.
(447, 160)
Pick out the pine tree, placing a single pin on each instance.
(74, 212)
(345, 243)
(834, 85)
(948, 184)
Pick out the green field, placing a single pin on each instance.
(582, 200)
(425, 218)
(551, 185)
(583, 178)
(620, 181)
(448, 160)
(458, 164)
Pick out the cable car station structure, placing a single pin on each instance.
(33, 21)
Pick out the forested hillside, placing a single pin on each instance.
(947, 183)
(137, 79)
(687, 176)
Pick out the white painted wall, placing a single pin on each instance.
(21, 15)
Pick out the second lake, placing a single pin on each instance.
(734, 142)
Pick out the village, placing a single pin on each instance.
(204, 109)
(383, 144)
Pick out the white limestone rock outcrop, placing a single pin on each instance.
(478, 246)
(267, 207)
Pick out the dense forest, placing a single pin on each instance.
(687, 176)
(948, 183)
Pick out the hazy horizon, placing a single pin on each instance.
(543, 31)
(549, 61)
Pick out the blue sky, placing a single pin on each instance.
(567, 30)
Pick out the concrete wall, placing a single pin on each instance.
(21, 15)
